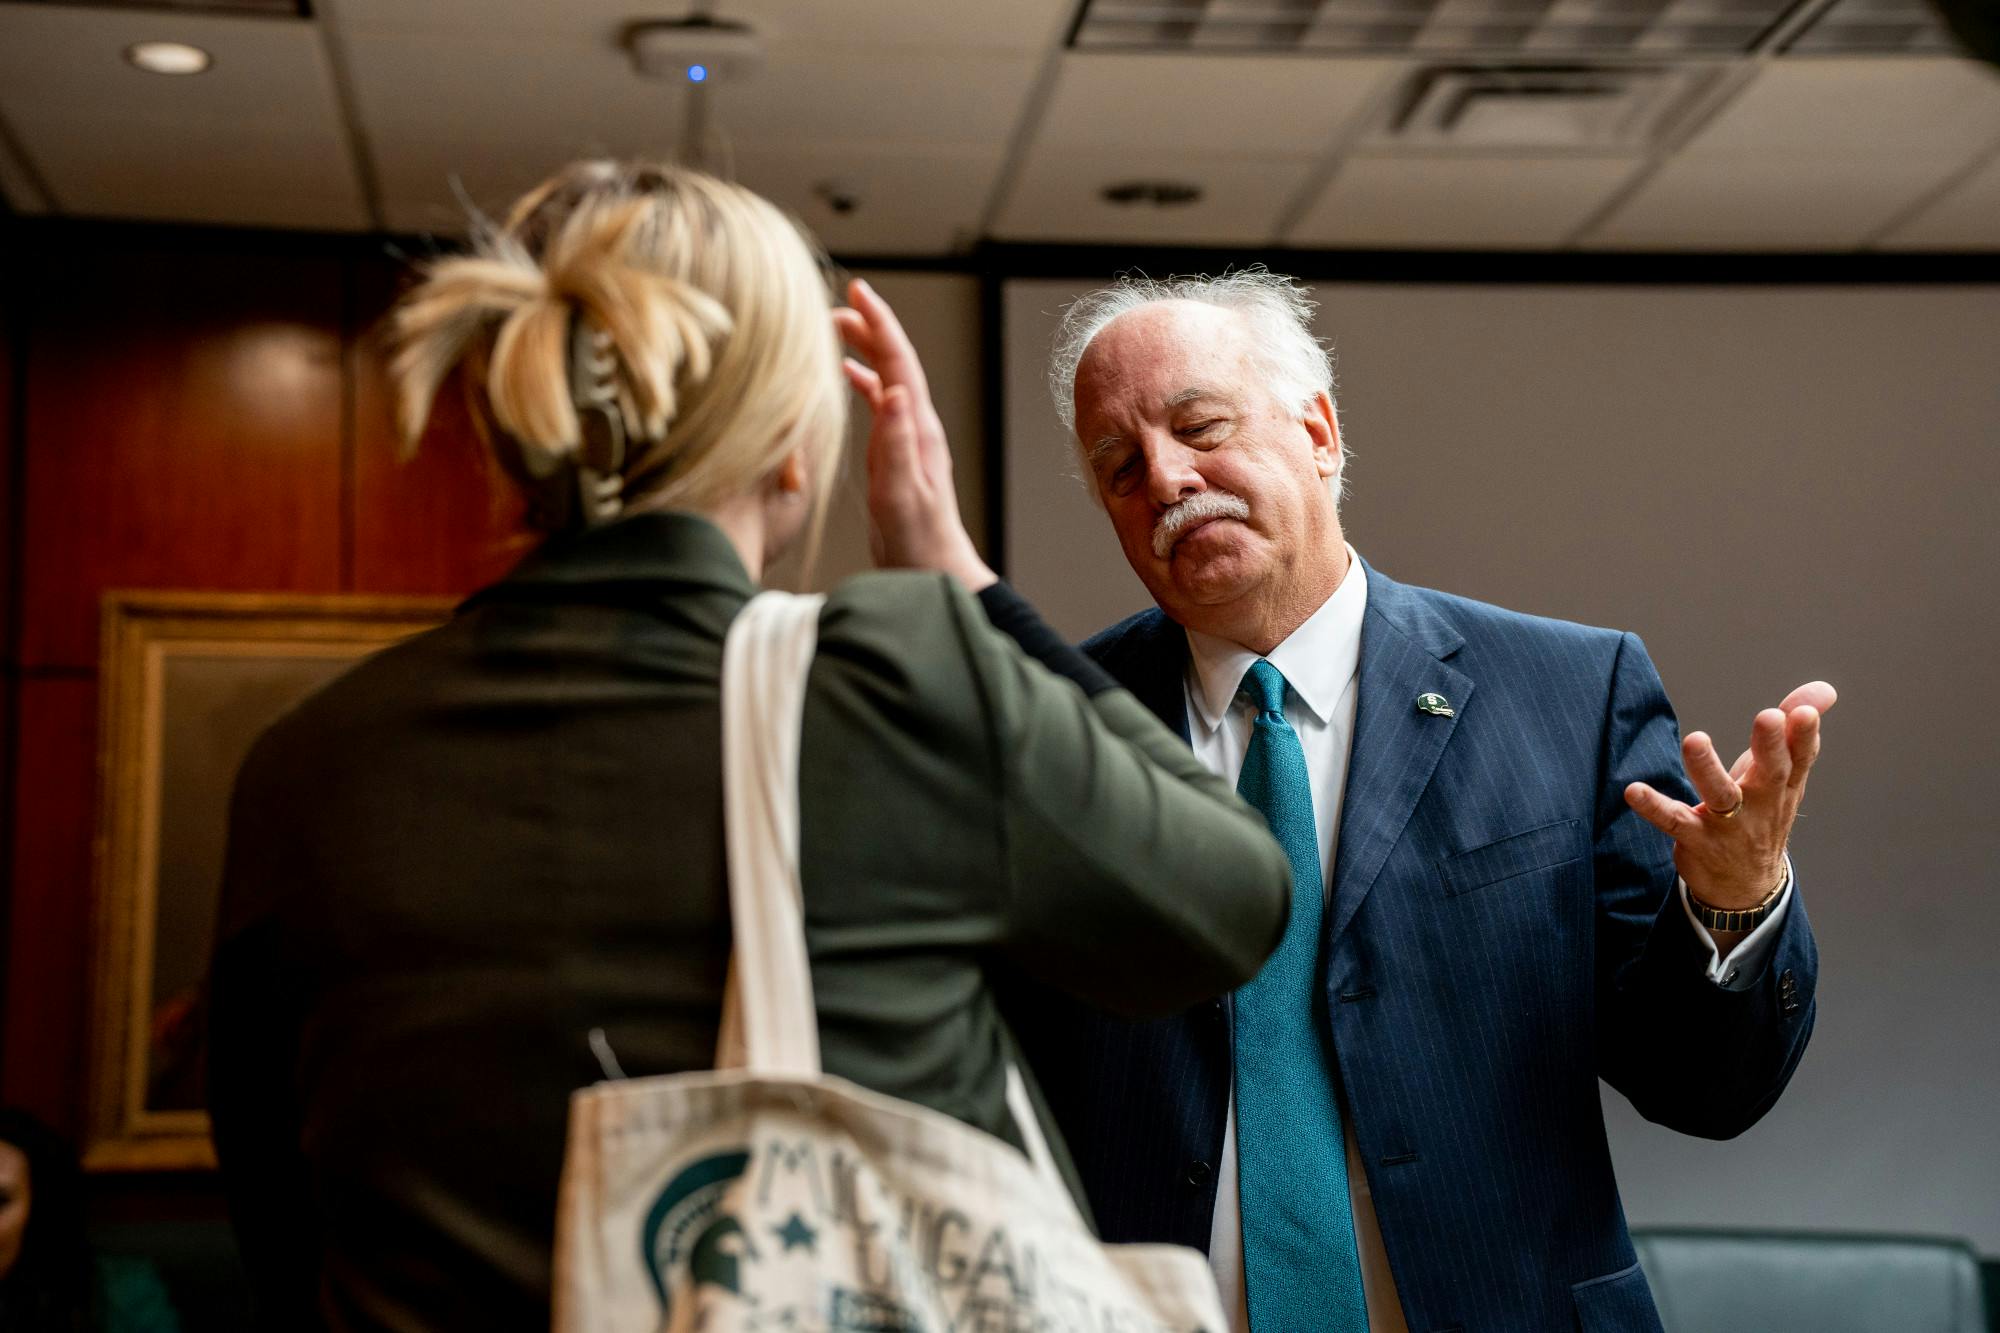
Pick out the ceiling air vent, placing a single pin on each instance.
(1541, 30)
(1875, 27)
(1539, 108)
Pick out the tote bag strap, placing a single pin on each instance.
(769, 1023)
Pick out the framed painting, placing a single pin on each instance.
(188, 682)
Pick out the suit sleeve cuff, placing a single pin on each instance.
(1739, 967)
(1016, 617)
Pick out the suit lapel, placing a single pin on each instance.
(1396, 746)
(1147, 654)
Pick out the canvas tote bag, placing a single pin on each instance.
(767, 1195)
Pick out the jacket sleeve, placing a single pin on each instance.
(1136, 879)
(252, 1037)
(1687, 1053)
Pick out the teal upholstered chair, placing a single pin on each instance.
(195, 1259)
(1811, 1282)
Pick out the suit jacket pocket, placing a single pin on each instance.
(1619, 1302)
(1517, 854)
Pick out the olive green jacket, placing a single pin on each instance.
(450, 866)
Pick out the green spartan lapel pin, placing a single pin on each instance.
(1435, 704)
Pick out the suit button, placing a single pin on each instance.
(1198, 1173)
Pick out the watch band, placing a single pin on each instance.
(1744, 918)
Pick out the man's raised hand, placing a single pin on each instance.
(1731, 848)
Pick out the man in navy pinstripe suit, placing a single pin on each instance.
(1500, 803)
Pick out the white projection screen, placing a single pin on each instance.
(1769, 484)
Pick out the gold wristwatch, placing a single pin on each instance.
(1747, 918)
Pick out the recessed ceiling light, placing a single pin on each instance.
(168, 57)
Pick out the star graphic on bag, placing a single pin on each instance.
(796, 1234)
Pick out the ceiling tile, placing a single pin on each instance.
(1020, 25)
(1768, 203)
(500, 86)
(451, 18)
(1430, 201)
(56, 61)
(498, 112)
(1815, 154)
(246, 176)
(1057, 197)
(255, 139)
(420, 91)
(907, 201)
(19, 188)
(1270, 106)
(1891, 107)
(905, 95)
(1966, 218)
(910, 201)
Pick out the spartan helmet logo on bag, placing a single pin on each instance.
(793, 1236)
(686, 1223)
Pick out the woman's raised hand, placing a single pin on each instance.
(913, 513)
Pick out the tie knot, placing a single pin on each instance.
(1264, 686)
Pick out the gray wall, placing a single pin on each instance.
(940, 312)
(1769, 485)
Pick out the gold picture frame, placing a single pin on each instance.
(188, 681)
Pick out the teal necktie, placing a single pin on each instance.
(1301, 1269)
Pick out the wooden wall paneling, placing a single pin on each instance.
(47, 979)
(441, 521)
(12, 325)
(9, 705)
(12, 321)
(183, 430)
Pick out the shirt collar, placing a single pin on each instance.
(1318, 659)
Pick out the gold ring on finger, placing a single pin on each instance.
(1730, 813)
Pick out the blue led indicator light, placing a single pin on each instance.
(697, 73)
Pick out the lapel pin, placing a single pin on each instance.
(1435, 704)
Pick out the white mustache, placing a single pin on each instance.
(1194, 510)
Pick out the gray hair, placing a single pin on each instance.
(1274, 306)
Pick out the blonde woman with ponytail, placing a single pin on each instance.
(485, 867)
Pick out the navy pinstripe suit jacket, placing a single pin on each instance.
(1502, 934)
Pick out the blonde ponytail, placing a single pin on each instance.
(663, 329)
(440, 321)
(711, 304)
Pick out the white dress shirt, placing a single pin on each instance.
(1321, 662)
